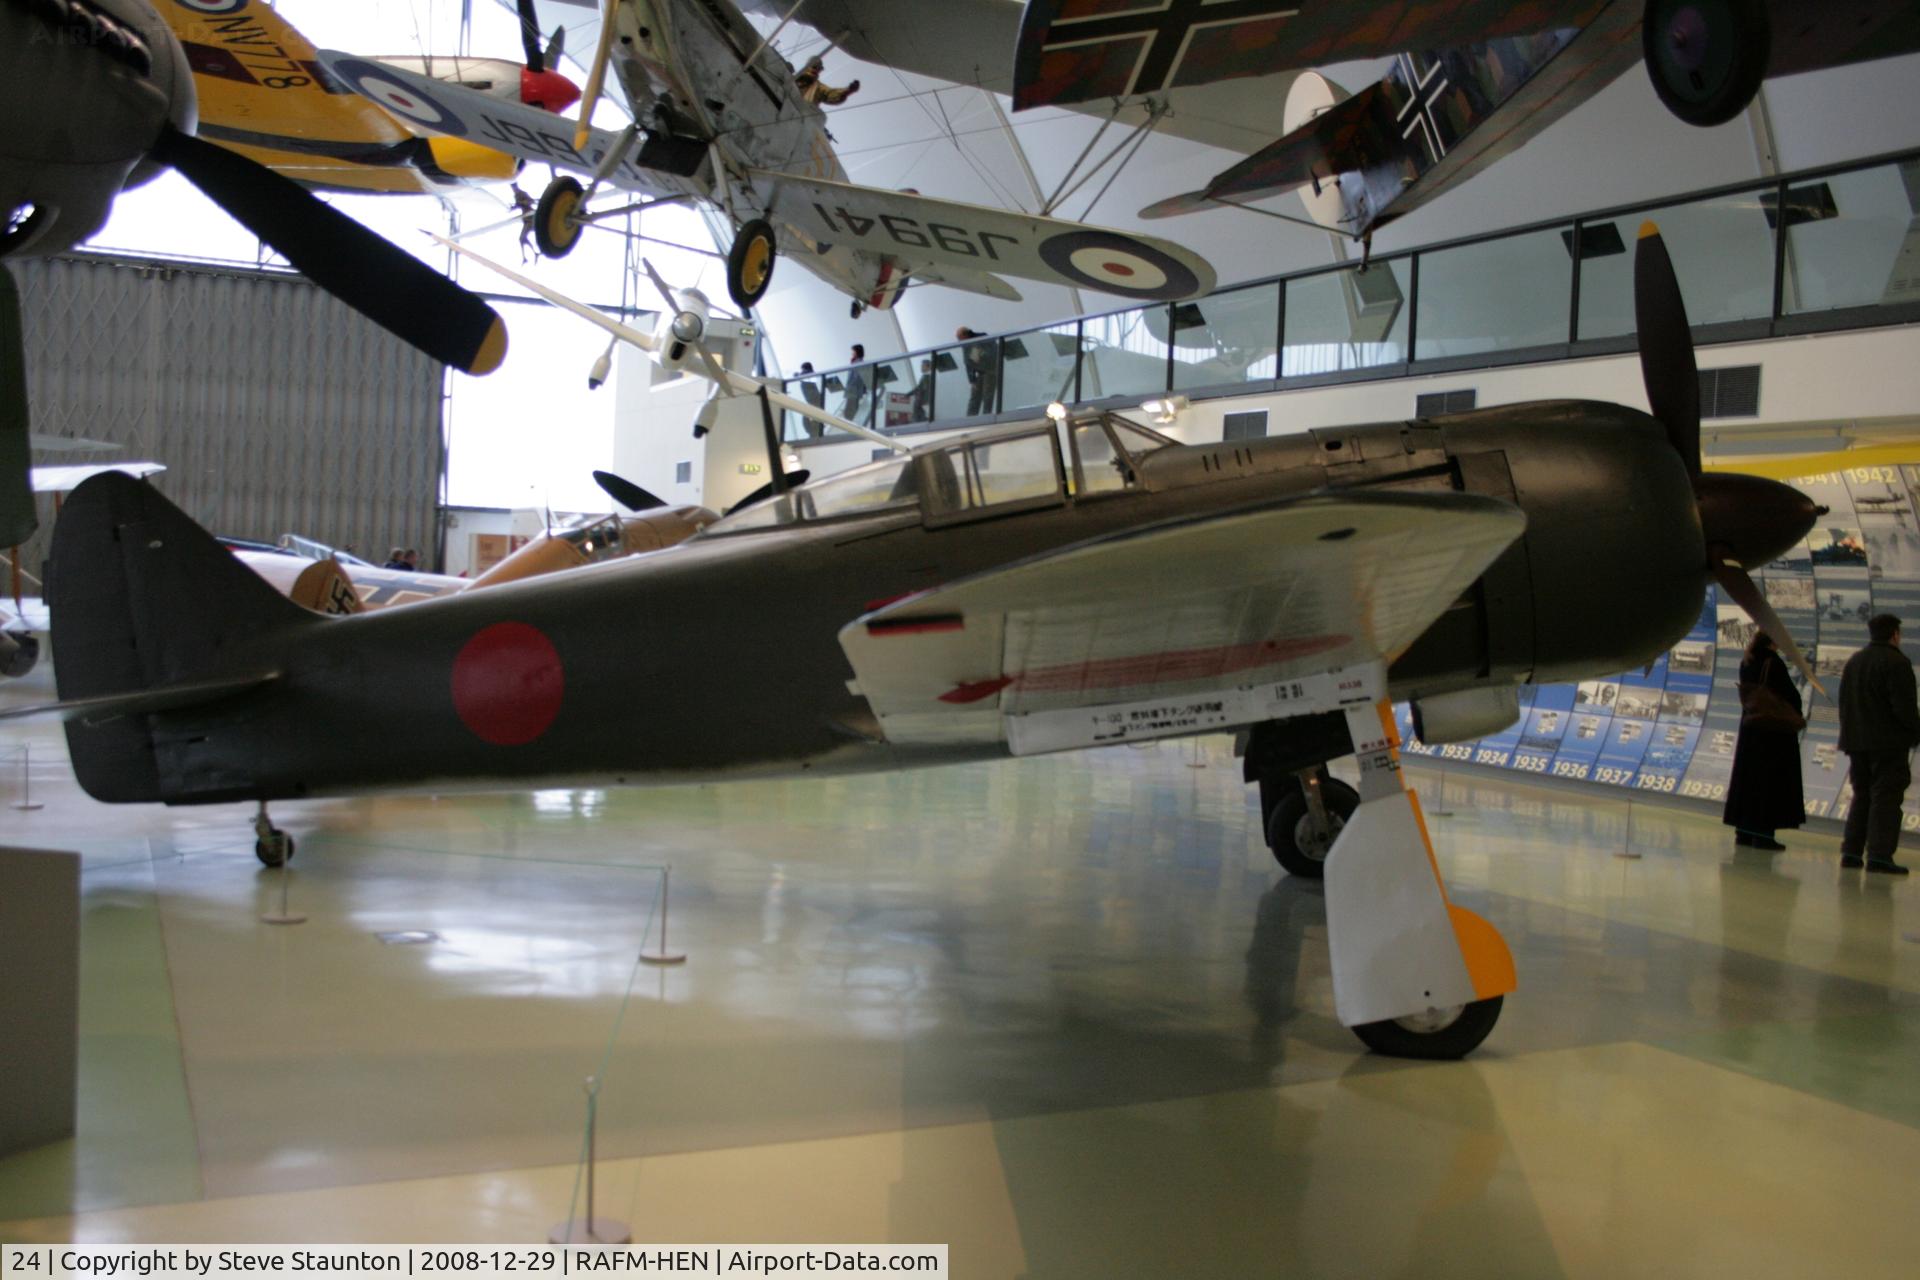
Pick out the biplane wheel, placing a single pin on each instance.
(1706, 58)
(750, 263)
(1297, 847)
(556, 229)
(1438, 1033)
(274, 849)
(858, 309)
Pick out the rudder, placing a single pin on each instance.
(144, 598)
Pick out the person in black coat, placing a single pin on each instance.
(1879, 728)
(1764, 793)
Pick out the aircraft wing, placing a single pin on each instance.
(918, 231)
(454, 111)
(1073, 51)
(65, 479)
(1196, 625)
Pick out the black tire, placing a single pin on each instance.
(857, 310)
(19, 651)
(554, 230)
(1290, 828)
(275, 850)
(1706, 58)
(750, 263)
(1433, 1037)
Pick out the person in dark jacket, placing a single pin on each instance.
(1879, 728)
(1764, 793)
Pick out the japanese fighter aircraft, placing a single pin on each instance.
(1030, 588)
(97, 97)
(1472, 80)
(719, 120)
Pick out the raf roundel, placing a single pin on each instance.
(215, 7)
(507, 684)
(381, 87)
(1114, 263)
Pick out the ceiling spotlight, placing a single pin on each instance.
(1165, 409)
(1057, 411)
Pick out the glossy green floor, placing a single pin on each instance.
(1063, 1014)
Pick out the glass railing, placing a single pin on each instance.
(1846, 254)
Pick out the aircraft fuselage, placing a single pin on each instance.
(719, 658)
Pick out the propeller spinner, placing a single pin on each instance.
(1747, 521)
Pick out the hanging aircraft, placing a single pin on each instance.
(1471, 80)
(720, 122)
(1030, 588)
(264, 94)
(98, 98)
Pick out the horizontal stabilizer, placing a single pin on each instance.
(173, 697)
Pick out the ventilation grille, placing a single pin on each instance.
(1730, 393)
(1251, 425)
(683, 473)
(1436, 403)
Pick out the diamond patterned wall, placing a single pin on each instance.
(275, 408)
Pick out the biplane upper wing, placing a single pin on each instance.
(1079, 50)
(1197, 625)
(923, 232)
(452, 110)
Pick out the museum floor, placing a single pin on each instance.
(1064, 1015)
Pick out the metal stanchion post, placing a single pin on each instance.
(284, 916)
(1440, 794)
(591, 1230)
(1629, 851)
(26, 802)
(661, 954)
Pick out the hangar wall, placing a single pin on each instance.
(274, 407)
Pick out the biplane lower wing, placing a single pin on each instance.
(454, 111)
(929, 236)
(1183, 628)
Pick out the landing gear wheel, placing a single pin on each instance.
(555, 228)
(274, 849)
(858, 309)
(1290, 828)
(1706, 58)
(750, 263)
(1436, 1034)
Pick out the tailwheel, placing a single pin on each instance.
(1300, 838)
(1435, 1034)
(750, 263)
(271, 845)
(556, 223)
(857, 310)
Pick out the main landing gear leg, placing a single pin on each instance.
(271, 845)
(1413, 975)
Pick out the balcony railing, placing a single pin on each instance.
(1846, 255)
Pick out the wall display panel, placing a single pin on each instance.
(275, 408)
(1672, 728)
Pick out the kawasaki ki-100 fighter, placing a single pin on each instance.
(1034, 587)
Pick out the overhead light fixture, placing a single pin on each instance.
(1165, 409)
(1057, 411)
(792, 460)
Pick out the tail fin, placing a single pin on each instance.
(150, 612)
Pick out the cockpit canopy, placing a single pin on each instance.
(1006, 469)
